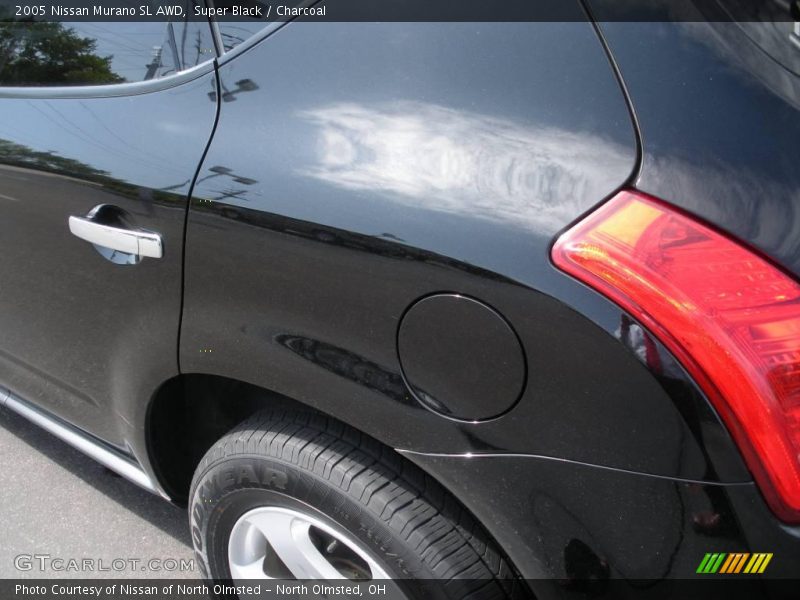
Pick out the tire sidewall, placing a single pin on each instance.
(232, 486)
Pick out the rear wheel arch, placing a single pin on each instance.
(189, 413)
(322, 466)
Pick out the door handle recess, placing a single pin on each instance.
(130, 241)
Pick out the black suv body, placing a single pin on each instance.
(356, 222)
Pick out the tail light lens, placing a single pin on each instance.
(729, 316)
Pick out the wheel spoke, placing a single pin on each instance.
(376, 571)
(252, 570)
(247, 550)
(276, 542)
(288, 535)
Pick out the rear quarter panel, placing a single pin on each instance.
(358, 167)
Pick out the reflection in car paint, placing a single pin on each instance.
(456, 161)
(381, 245)
(735, 196)
(348, 365)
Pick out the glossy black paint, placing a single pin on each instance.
(334, 253)
(366, 187)
(718, 107)
(591, 531)
(358, 168)
(84, 338)
(472, 373)
(356, 180)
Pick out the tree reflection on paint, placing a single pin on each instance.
(33, 52)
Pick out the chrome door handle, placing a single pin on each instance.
(130, 241)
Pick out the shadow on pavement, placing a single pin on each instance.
(160, 513)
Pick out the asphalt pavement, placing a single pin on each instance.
(61, 509)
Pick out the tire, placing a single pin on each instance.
(389, 508)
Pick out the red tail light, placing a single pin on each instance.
(730, 317)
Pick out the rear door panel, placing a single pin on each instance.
(80, 336)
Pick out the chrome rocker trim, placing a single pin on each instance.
(106, 456)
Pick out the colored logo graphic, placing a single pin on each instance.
(736, 562)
